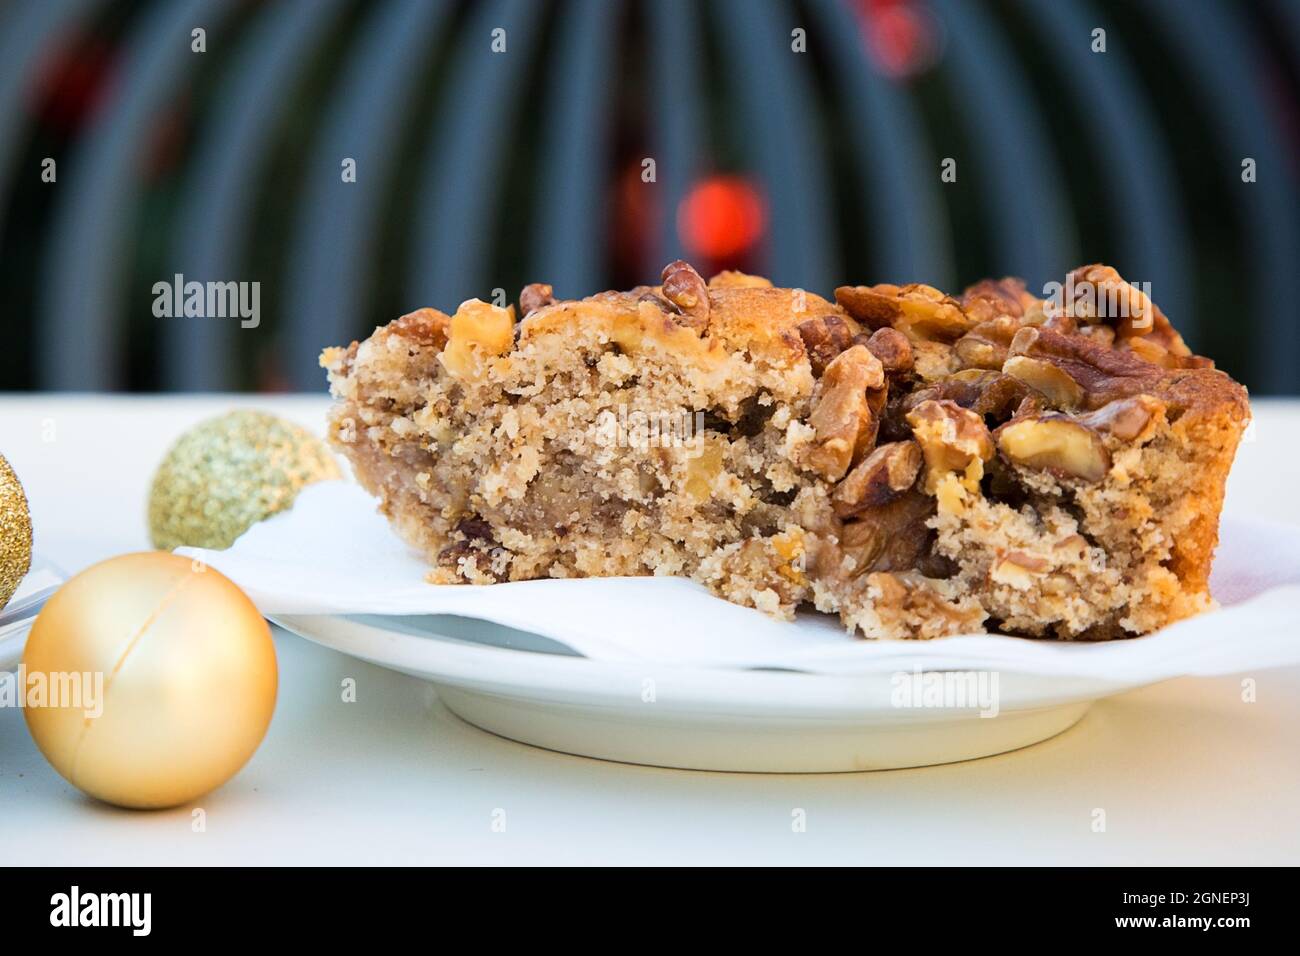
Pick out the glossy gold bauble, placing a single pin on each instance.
(15, 533)
(187, 673)
(226, 474)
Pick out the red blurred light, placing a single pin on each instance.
(636, 218)
(74, 80)
(901, 36)
(721, 218)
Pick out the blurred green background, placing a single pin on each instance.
(501, 142)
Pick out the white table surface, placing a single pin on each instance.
(1186, 772)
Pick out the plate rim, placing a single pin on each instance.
(525, 674)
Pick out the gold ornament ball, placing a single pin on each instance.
(226, 474)
(15, 533)
(188, 680)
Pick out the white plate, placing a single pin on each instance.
(534, 690)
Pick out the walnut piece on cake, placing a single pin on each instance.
(920, 464)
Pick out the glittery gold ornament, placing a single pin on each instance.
(159, 678)
(15, 533)
(226, 474)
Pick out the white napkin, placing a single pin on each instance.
(16, 617)
(334, 554)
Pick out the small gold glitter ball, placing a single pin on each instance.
(15, 533)
(226, 474)
(159, 680)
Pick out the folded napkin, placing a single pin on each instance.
(332, 553)
(16, 618)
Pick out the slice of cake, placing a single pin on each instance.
(920, 465)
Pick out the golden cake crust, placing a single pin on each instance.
(740, 316)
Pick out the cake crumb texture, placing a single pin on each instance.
(920, 464)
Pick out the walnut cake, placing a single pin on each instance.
(920, 465)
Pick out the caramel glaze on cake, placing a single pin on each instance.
(920, 465)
